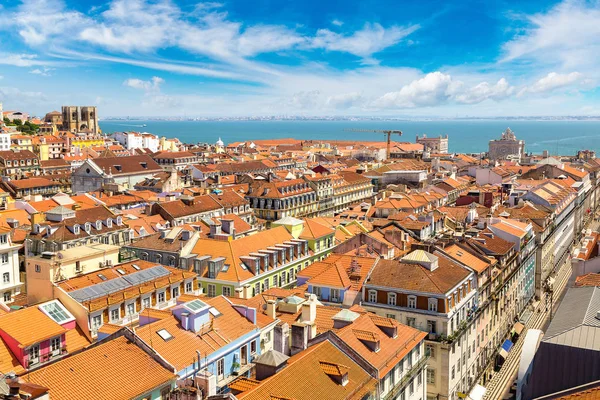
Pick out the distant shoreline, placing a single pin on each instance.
(351, 119)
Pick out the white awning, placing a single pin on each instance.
(477, 393)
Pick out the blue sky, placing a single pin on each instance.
(267, 57)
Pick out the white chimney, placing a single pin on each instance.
(185, 320)
(309, 310)
(272, 309)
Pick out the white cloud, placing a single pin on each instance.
(23, 60)
(305, 100)
(553, 81)
(152, 85)
(437, 88)
(337, 22)
(568, 36)
(44, 71)
(372, 39)
(135, 25)
(433, 89)
(483, 91)
(57, 21)
(345, 100)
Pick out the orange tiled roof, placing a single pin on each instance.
(29, 326)
(180, 351)
(470, 260)
(310, 381)
(333, 369)
(314, 230)
(117, 369)
(585, 394)
(391, 349)
(8, 361)
(243, 384)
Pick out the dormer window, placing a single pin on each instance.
(391, 300)
(412, 301)
(372, 296)
(119, 220)
(76, 229)
(98, 224)
(88, 227)
(108, 222)
(432, 305)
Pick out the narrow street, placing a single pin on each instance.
(501, 383)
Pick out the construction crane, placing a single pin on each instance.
(388, 133)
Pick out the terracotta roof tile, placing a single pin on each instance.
(413, 276)
(29, 325)
(309, 373)
(117, 369)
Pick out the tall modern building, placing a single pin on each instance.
(80, 119)
(507, 147)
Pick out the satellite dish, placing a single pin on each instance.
(264, 307)
(60, 256)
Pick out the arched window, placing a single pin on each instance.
(76, 229)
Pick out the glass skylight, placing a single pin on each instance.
(164, 334)
(195, 305)
(57, 312)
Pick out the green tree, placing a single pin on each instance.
(6, 121)
(17, 122)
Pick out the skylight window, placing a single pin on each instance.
(102, 277)
(215, 313)
(164, 334)
(119, 270)
(57, 312)
(195, 305)
(136, 267)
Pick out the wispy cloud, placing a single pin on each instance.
(553, 81)
(45, 71)
(364, 43)
(152, 85)
(566, 36)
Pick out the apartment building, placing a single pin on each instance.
(272, 258)
(276, 200)
(63, 228)
(37, 335)
(9, 266)
(125, 172)
(14, 163)
(130, 369)
(117, 295)
(179, 160)
(212, 338)
(436, 294)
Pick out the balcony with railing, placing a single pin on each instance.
(167, 304)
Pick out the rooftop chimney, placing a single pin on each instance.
(272, 309)
(227, 226)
